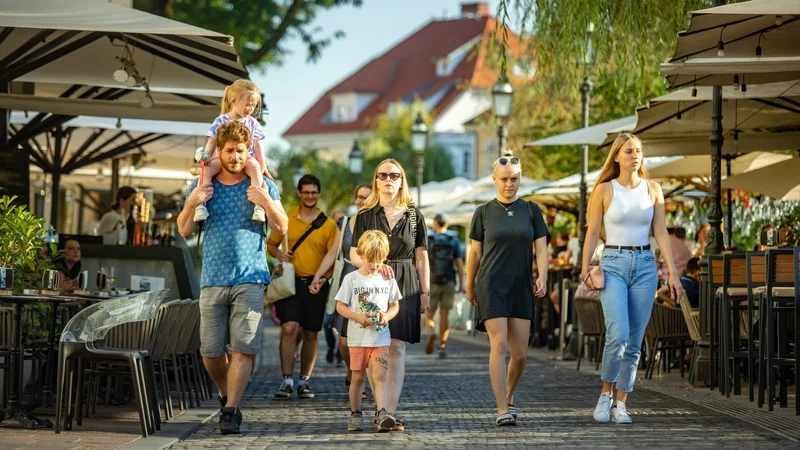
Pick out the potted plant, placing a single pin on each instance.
(24, 254)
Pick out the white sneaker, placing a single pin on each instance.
(619, 414)
(601, 411)
(200, 213)
(259, 214)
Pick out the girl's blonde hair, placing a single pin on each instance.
(404, 197)
(610, 168)
(373, 246)
(239, 89)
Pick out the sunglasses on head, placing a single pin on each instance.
(504, 161)
(392, 176)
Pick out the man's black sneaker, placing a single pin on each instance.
(231, 421)
(304, 391)
(285, 391)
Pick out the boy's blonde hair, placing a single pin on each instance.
(373, 247)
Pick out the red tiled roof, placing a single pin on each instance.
(408, 70)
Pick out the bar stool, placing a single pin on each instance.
(782, 295)
(735, 293)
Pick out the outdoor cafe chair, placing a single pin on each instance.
(692, 319)
(756, 286)
(173, 351)
(188, 368)
(82, 340)
(780, 311)
(667, 330)
(735, 312)
(709, 291)
(591, 326)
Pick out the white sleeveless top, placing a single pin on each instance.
(629, 216)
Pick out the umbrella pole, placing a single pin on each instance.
(729, 217)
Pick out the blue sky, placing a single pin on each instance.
(371, 30)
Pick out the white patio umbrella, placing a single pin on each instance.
(772, 25)
(592, 135)
(700, 165)
(779, 181)
(765, 118)
(731, 71)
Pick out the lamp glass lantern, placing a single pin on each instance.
(298, 173)
(356, 160)
(502, 96)
(419, 135)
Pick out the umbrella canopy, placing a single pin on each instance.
(742, 27)
(765, 118)
(700, 165)
(593, 135)
(731, 71)
(85, 41)
(779, 181)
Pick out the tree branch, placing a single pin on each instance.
(256, 56)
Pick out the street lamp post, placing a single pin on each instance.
(356, 163)
(419, 142)
(502, 96)
(586, 91)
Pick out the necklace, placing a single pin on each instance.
(510, 213)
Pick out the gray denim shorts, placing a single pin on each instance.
(231, 315)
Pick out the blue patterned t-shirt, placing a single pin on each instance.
(233, 243)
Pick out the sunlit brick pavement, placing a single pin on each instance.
(447, 403)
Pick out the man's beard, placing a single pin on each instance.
(313, 205)
(226, 167)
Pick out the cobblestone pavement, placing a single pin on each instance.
(447, 403)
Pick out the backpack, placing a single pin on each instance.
(441, 249)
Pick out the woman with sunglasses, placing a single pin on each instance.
(389, 209)
(500, 280)
(626, 203)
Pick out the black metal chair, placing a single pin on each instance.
(780, 310)
(715, 276)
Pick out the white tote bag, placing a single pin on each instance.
(282, 285)
(338, 266)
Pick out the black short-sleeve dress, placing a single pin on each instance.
(505, 280)
(402, 246)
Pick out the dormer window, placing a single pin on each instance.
(346, 106)
(443, 67)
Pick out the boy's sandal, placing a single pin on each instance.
(505, 420)
(399, 425)
(512, 409)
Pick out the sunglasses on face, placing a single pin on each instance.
(505, 161)
(392, 176)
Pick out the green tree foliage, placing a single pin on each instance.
(630, 39)
(391, 139)
(259, 27)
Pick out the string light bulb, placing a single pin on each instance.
(119, 123)
(720, 49)
(779, 20)
(736, 82)
(735, 137)
(694, 92)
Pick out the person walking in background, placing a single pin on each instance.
(626, 203)
(310, 237)
(234, 269)
(369, 300)
(389, 209)
(500, 279)
(113, 224)
(345, 234)
(446, 259)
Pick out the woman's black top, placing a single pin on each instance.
(402, 245)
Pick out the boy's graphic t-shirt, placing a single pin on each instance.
(364, 294)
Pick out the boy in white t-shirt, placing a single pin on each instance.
(369, 300)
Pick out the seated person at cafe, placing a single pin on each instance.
(691, 286)
(69, 266)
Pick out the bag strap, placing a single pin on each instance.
(317, 223)
(345, 224)
(412, 213)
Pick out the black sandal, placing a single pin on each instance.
(505, 420)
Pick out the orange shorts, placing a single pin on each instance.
(363, 357)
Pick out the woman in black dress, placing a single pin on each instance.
(500, 279)
(389, 209)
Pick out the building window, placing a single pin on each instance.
(467, 157)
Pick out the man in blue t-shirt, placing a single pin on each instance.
(234, 268)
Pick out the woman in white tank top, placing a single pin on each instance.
(627, 204)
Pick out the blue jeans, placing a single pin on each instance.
(630, 287)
